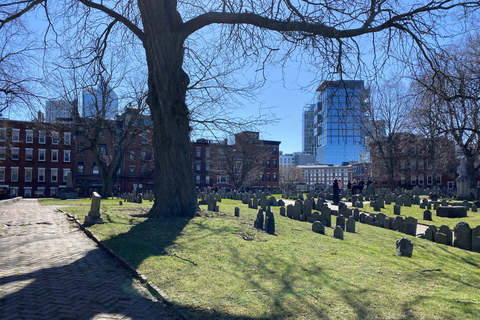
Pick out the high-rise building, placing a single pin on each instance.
(309, 144)
(100, 101)
(339, 121)
(57, 109)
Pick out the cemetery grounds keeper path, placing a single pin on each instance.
(49, 269)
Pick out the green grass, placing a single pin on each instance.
(473, 218)
(206, 266)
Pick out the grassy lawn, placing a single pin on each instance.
(216, 266)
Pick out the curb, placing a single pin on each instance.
(7, 201)
(152, 288)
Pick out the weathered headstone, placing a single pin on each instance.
(404, 247)
(93, 216)
(476, 239)
(350, 225)
(398, 224)
(427, 215)
(448, 234)
(452, 211)
(318, 227)
(269, 222)
(338, 233)
(282, 211)
(326, 216)
(463, 236)
(396, 209)
(340, 221)
(237, 212)
(410, 226)
(258, 223)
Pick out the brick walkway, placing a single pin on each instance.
(51, 270)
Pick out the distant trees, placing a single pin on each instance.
(289, 176)
(170, 35)
(447, 90)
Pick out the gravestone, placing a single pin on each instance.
(427, 215)
(476, 239)
(463, 236)
(318, 227)
(396, 209)
(297, 210)
(69, 192)
(448, 234)
(430, 235)
(474, 208)
(269, 222)
(350, 226)
(338, 233)
(282, 211)
(410, 226)
(387, 224)
(368, 220)
(326, 216)
(398, 224)
(307, 209)
(381, 219)
(407, 201)
(452, 211)
(404, 248)
(290, 211)
(260, 220)
(356, 214)
(340, 222)
(441, 238)
(237, 212)
(93, 216)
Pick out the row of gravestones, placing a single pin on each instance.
(265, 221)
(463, 236)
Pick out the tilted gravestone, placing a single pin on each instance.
(93, 215)
(463, 236)
(260, 219)
(318, 227)
(404, 247)
(269, 222)
(398, 224)
(340, 221)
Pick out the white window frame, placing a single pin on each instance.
(15, 135)
(12, 171)
(55, 137)
(413, 180)
(31, 174)
(450, 185)
(54, 174)
(54, 152)
(27, 192)
(28, 136)
(67, 138)
(44, 153)
(14, 191)
(421, 180)
(67, 156)
(40, 170)
(16, 151)
(28, 154)
(42, 137)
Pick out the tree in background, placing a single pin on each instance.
(173, 33)
(289, 176)
(448, 99)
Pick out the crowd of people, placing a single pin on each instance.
(355, 187)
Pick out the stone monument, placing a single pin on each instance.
(69, 192)
(463, 182)
(93, 215)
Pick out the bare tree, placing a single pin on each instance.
(449, 96)
(242, 160)
(328, 32)
(289, 176)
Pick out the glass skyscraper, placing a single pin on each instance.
(339, 121)
(309, 143)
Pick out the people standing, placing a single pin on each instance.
(336, 198)
(361, 184)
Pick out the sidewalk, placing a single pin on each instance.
(50, 270)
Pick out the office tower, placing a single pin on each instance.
(57, 109)
(100, 101)
(339, 121)
(309, 143)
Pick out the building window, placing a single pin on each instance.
(420, 180)
(66, 155)
(274, 178)
(54, 155)
(65, 174)
(450, 184)
(132, 171)
(429, 180)
(144, 155)
(29, 136)
(198, 165)
(2, 174)
(53, 175)
(13, 192)
(420, 165)
(54, 137)
(15, 153)
(27, 192)
(268, 163)
(95, 169)
(207, 166)
(41, 137)
(14, 174)
(275, 164)
(222, 179)
(3, 153)
(80, 149)
(80, 167)
(413, 165)
(268, 176)
(197, 179)
(42, 155)
(143, 171)
(207, 152)
(29, 154)
(207, 180)
(198, 152)
(261, 177)
(67, 138)
(144, 138)
(102, 149)
(53, 191)
(3, 134)
(439, 179)
(132, 155)
(41, 174)
(16, 135)
(413, 180)
(28, 174)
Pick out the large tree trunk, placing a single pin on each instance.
(175, 193)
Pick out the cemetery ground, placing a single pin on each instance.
(217, 266)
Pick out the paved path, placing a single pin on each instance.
(50, 270)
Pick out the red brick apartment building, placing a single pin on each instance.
(34, 158)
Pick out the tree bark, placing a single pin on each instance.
(174, 189)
